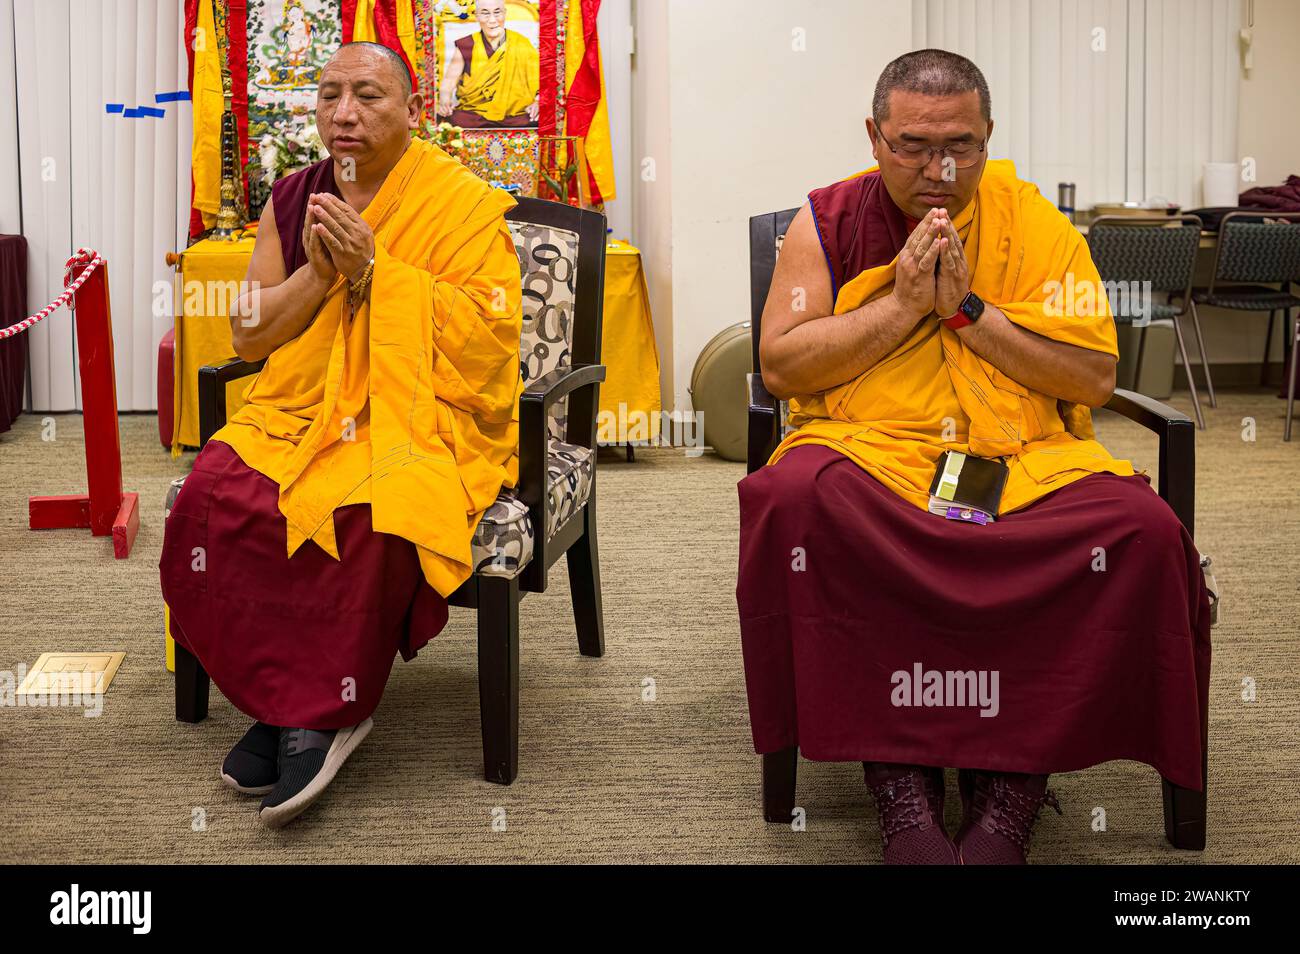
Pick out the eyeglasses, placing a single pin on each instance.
(917, 155)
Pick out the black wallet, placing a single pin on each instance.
(967, 488)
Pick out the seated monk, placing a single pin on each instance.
(493, 75)
(911, 312)
(323, 527)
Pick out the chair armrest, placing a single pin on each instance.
(1177, 435)
(212, 393)
(552, 386)
(764, 423)
(534, 404)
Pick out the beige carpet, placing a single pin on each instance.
(605, 775)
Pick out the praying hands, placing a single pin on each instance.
(932, 275)
(345, 235)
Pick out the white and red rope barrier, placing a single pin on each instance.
(92, 259)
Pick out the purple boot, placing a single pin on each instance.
(1000, 811)
(909, 800)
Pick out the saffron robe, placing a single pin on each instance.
(501, 85)
(1085, 596)
(934, 393)
(334, 512)
(413, 405)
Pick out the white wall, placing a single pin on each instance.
(651, 181)
(766, 101)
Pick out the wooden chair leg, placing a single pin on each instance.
(780, 770)
(192, 686)
(498, 676)
(1185, 809)
(584, 585)
(1184, 817)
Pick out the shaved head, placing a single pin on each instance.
(395, 63)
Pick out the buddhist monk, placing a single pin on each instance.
(323, 527)
(914, 310)
(493, 75)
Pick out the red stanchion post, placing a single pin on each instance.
(105, 509)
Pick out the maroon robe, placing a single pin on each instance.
(305, 641)
(844, 589)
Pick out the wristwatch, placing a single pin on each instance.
(967, 313)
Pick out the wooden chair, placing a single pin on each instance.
(1184, 808)
(552, 511)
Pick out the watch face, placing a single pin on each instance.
(972, 306)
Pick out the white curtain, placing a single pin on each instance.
(114, 181)
(1128, 99)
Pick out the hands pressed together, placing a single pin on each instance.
(932, 276)
(336, 238)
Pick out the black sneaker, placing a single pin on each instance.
(251, 767)
(308, 761)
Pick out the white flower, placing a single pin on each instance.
(311, 135)
(267, 153)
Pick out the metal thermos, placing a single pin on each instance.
(1065, 199)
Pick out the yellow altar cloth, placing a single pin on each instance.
(209, 274)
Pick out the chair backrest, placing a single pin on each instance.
(1160, 250)
(766, 233)
(562, 271)
(1258, 246)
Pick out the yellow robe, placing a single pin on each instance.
(934, 393)
(411, 406)
(503, 84)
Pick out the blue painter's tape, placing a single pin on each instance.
(181, 95)
(131, 113)
(151, 111)
(114, 107)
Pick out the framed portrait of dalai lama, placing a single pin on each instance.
(489, 68)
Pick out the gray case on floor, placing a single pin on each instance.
(718, 390)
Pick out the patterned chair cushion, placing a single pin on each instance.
(548, 271)
(503, 541)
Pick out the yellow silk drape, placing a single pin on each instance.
(208, 104)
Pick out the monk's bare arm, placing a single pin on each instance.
(277, 307)
(805, 348)
(1062, 370)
